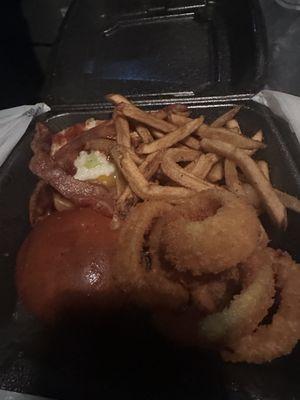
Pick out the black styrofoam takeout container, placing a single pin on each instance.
(83, 362)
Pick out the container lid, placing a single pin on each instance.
(155, 47)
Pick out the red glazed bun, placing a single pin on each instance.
(64, 266)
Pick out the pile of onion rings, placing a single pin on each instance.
(217, 309)
(191, 248)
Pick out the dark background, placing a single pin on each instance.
(30, 28)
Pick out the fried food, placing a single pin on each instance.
(148, 168)
(123, 132)
(271, 202)
(190, 141)
(216, 174)
(144, 134)
(279, 337)
(215, 293)
(146, 118)
(264, 167)
(247, 309)
(61, 203)
(180, 175)
(235, 126)
(203, 165)
(289, 201)
(232, 180)
(229, 115)
(148, 190)
(171, 138)
(186, 196)
(142, 284)
(211, 232)
(252, 196)
(227, 136)
(117, 99)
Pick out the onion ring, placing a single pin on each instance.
(279, 337)
(208, 293)
(213, 295)
(144, 286)
(213, 231)
(247, 309)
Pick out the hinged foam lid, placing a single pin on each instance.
(209, 48)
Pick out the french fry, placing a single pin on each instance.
(169, 131)
(135, 139)
(138, 115)
(182, 146)
(147, 190)
(269, 198)
(190, 142)
(148, 168)
(123, 136)
(232, 179)
(177, 109)
(221, 134)
(227, 136)
(144, 134)
(180, 175)
(264, 167)
(121, 184)
(178, 120)
(216, 174)
(138, 160)
(61, 203)
(160, 114)
(204, 165)
(123, 132)
(251, 195)
(171, 138)
(289, 201)
(116, 99)
(191, 165)
(258, 137)
(157, 134)
(235, 126)
(221, 121)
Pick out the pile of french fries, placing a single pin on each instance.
(167, 155)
